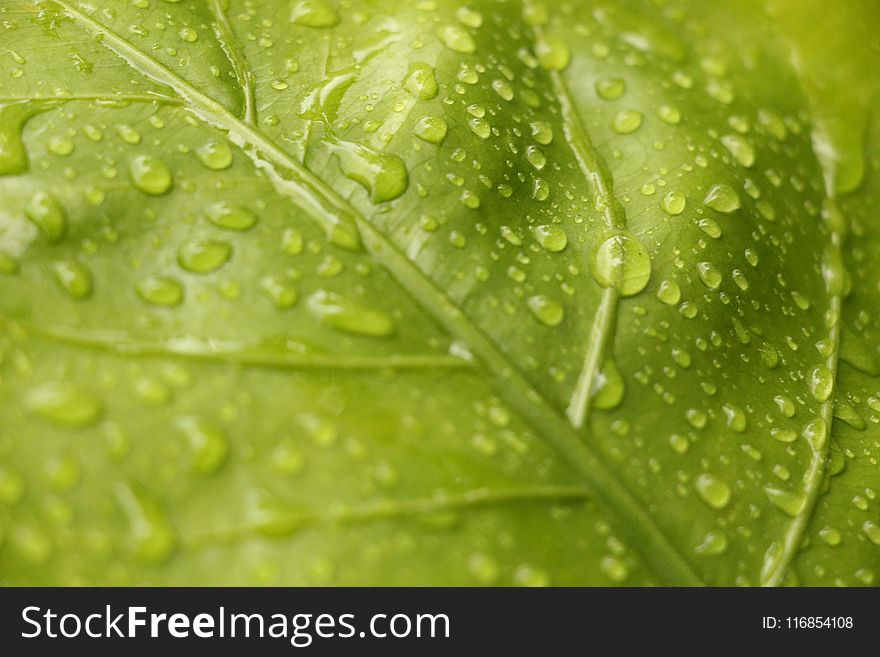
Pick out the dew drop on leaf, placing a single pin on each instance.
(622, 262)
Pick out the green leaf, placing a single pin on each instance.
(431, 293)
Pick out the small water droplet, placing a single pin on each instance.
(713, 544)
(421, 82)
(546, 310)
(550, 236)
(610, 88)
(626, 121)
(384, 176)
(610, 387)
(709, 275)
(314, 13)
(431, 129)
(215, 155)
(714, 491)
(821, 383)
(348, 316)
(741, 149)
(722, 198)
(65, 404)
(457, 39)
(203, 256)
(208, 444)
(150, 175)
(669, 293)
(161, 291)
(74, 278)
(673, 203)
(48, 215)
(230, 217)
(152, 538)
(787, 502)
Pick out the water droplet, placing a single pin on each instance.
(129, 135)
(614, 568)
(348, 316)
(714, 491)
(626, 121)
(610, 387)
(431, 129)
(535, 156)
(384, 176)
(546, 310)
(203, 257)
(74, 278)
(208, 444)
(542, 132)
(8, 265)
(709, 274)
(215, 155)
(552, 53)
(457, 39)
(13, 154)
(469, 17)
(421, 82)
(816, 433)
(713, 544)
(610, 88)
(736, 418)
(150, 175)
(314, 13)
(678, 443)
(821, 383)
(65, 404)
(12, 487)
(503, 89)
(61, 146)
(669, 292)
(282, 293)
(872, 530)
(830, 536)
(480, 127)
(669, 114)
(787, 502)
(741, 149)
(230, 217)
(673, 203)
(160, 291)
(722, 198)
(622, 262)
(526, 575)
(550, 236)
(483, 569)
(46, 213)
(152, 538)
(696, 418)
(188, 34)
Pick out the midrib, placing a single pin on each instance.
(319, 201)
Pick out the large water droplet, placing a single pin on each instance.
(610, 387)
(551, 236)
(622, 262)
(709, 274)
(626, 121)
(821, 383)
(673, 203)
(383, 175)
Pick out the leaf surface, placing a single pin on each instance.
(326, 292)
